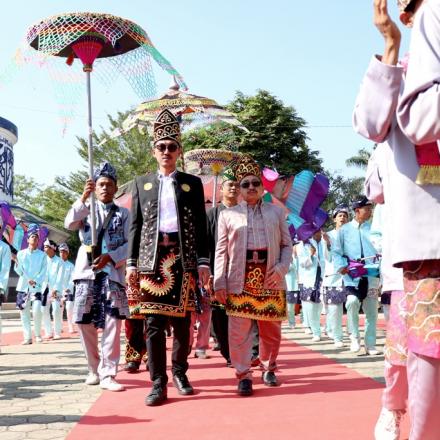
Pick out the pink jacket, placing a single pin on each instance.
(230, 254)
(415, 209)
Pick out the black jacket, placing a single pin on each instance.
(212, 216)
(144, 229)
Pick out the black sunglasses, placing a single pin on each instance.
(171, 148)
(248, 183)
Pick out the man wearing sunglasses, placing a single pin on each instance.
(167, 256)
(253, 255)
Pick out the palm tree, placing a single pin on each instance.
(359, 160)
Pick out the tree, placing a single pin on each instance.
(129, 153)
(359, 160)
(343, 190)
(25, 191)
(275, 137)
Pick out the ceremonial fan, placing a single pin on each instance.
(118, 46)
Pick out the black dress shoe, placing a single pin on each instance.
(269, 379)
(182, 384)
(157, 395)
(245, 387)
(132, 367)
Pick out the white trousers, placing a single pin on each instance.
(104, 359)
(57, 313)
(312, 315)
(25, 316)
(69, 313)
(334, 321)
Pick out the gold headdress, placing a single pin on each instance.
(247, 167)
(166, 126)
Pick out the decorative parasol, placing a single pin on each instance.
(193, 111)
(208, 164)
(116, 44)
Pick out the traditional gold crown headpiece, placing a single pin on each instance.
(166, 126)
(247, 167)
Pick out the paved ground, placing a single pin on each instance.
(42, 394)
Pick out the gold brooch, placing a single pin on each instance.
(186, 187)
(148, 186)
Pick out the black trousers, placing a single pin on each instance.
(219, 320)
(156, 346)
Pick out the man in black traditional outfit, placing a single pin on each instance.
(167, 256)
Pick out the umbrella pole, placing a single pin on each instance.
(90, 153)
(214, 192)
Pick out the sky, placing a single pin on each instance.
(311, 54)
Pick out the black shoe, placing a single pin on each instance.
(182, 384)
(269, 379)
(157, 395)
(216, 347)
(132, 367)
(245, 387)
(229, 363)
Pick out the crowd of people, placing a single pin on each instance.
(236, 271)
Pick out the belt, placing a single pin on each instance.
(167, 239)
(256, 256)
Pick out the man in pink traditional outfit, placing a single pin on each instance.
(405, 117)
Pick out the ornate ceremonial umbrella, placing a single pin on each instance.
(193, 111)
(208, 164)
(119, 46)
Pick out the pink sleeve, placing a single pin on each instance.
(419, 105)
(373, 185)
(376, 102)
(221, 254)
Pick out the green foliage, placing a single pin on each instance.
(343, 190)
(129, 153)
(26, 189)
(276, 136)
(359, 160)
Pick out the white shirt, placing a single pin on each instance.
(167, 204)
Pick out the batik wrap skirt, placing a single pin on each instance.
(256, 302)
(334, 295)
(421, 306)
(396, 350)
(169, 291)
(94, 299)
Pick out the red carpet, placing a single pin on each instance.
(318, 399)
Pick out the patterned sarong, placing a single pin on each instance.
(334, 295)
(396, 350)
(169, 291)
(421, 306)
(135, 340)
(94, 299)
(255, 302)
